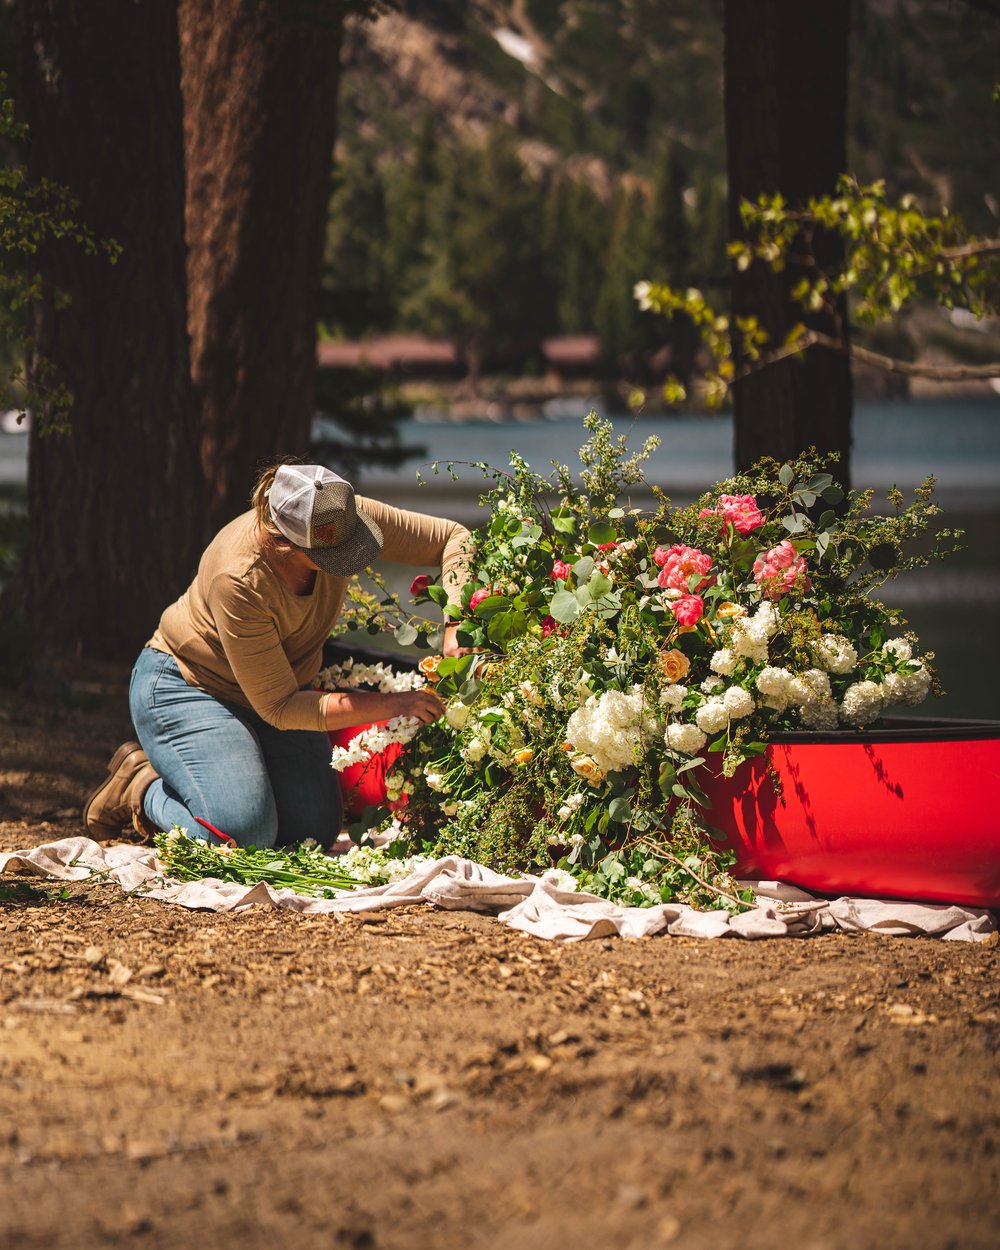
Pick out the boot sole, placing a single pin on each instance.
(116, 761)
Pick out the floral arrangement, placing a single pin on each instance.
(619, 651)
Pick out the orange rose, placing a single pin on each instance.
(674, 665)
(429, 666)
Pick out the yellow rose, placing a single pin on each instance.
(587, 768)
(729, 611)
(674, 665)
(523, 755)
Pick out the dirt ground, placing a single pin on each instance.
(431, 1079)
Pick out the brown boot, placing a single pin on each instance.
(114, 803)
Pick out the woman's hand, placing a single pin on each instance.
(422, 704)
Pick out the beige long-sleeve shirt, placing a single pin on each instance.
(239, 633)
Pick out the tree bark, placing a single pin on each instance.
(115, 506)
(260, 92)
(785, 107)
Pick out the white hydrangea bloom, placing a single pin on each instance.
(608, 728)
(820, 714)
(723, 661)
(835, 653)
(751, 634)
(712, 716)
(710, 684)
(817, 683)
(900, 648)
(907, 688)
(739, 702)
(862, 703)
(672, 697)
(686, 738)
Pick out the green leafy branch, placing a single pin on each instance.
(894, 255)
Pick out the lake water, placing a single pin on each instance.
(954, 607)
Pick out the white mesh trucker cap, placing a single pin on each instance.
(315, 510)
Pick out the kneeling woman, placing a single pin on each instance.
(229, 730)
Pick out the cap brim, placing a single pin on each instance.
(354, 554)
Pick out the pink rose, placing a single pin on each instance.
(781, 570)
(549, 626)
(478, 597)
(740, 511)
(419, 584)
(679, 564)
(606, 546)
(560, 571)
(688, 609)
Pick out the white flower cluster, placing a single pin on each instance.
(371, 866)
(716, 712)
(749, 637)
(835, 653)
(350, 675)
(688, 739)
(373, 740)
(608, 728)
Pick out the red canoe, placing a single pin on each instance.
(908, 811)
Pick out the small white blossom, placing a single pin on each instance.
(474, 750)
(373, 741)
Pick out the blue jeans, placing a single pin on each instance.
(220, 761)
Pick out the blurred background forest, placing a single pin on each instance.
(502, 175)
(506, 172)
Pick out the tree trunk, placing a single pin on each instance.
(785, 105)
(115, 506)
(260, 116)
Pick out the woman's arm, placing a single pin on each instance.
(361, 707)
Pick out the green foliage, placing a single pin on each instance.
(32, 216)
(895, 256)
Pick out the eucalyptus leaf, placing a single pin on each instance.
(601, 532)
(620, 810)
(405, 634)
(786, 475)
(564, 607)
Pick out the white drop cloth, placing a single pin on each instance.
(535, 905)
